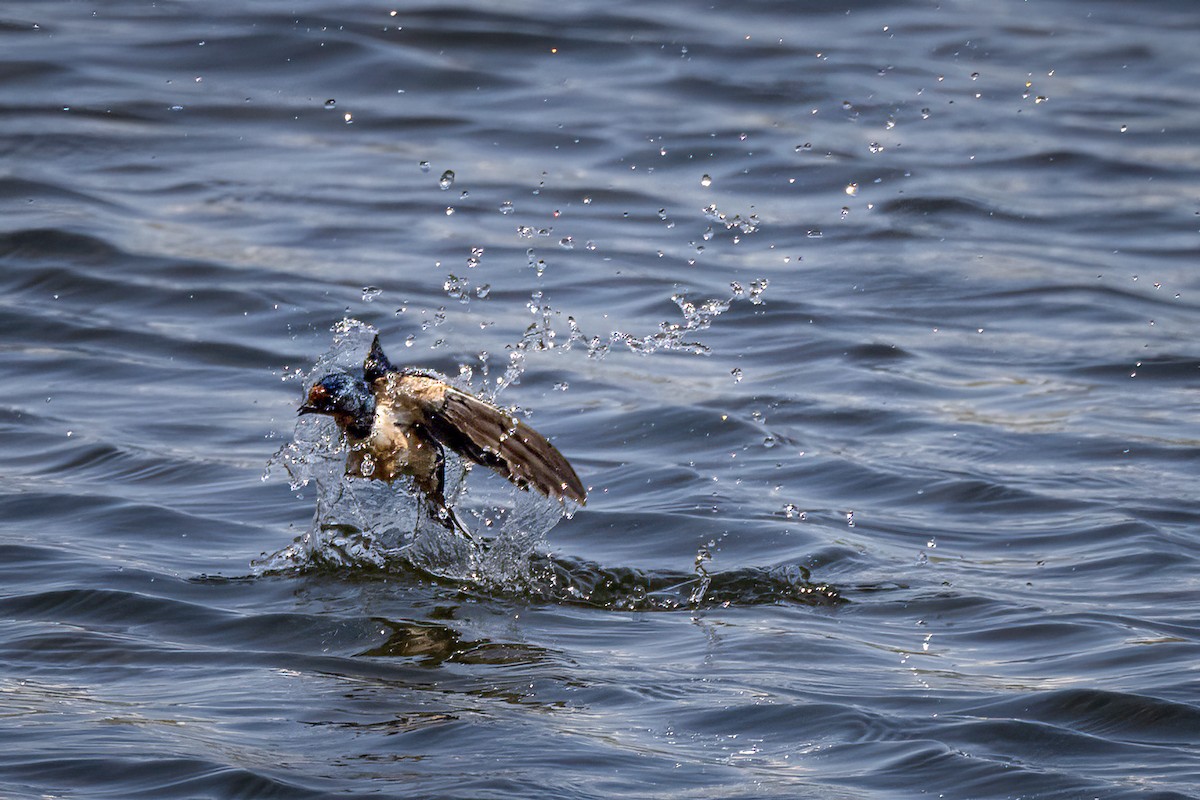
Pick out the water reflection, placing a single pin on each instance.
(433, 644)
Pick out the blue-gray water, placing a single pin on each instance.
(894, 304)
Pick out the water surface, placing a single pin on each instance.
(871, 329)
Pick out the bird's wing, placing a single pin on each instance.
(488, 436)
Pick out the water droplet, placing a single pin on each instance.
(1124, 128)
(757, 287)
(507, 207)
(852, 189)
(974, 76)
(348, 118)
(331, 103)
(475, 258)
(875, 148)
(706, 180)
(449, 211)
(409, 341)
(447, 180)
(424, 166)
(369, 293)
(1040, 99)
(736, 372)
(457, 288)
(567, 243)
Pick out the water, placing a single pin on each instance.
(871, 329)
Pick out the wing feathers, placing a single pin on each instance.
(512, 448)
(491, 437)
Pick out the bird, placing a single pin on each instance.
(398, 422)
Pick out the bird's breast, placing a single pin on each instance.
(395, 447)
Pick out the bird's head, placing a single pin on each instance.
(345, 398)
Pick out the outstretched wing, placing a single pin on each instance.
(488, 436)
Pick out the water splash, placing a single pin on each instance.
(359, 522)
(703, 577)
(545, 333)
(575, 582)
(372, 525)
(738, 223)
(697, 316)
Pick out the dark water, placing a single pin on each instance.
(872, 328)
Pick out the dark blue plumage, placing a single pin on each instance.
(347, 399)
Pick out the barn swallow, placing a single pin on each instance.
(397, 422)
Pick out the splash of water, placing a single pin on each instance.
(575, 582)
(360, 522)
(679, 336)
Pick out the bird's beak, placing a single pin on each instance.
(306, 409)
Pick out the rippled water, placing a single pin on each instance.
(871, 328)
